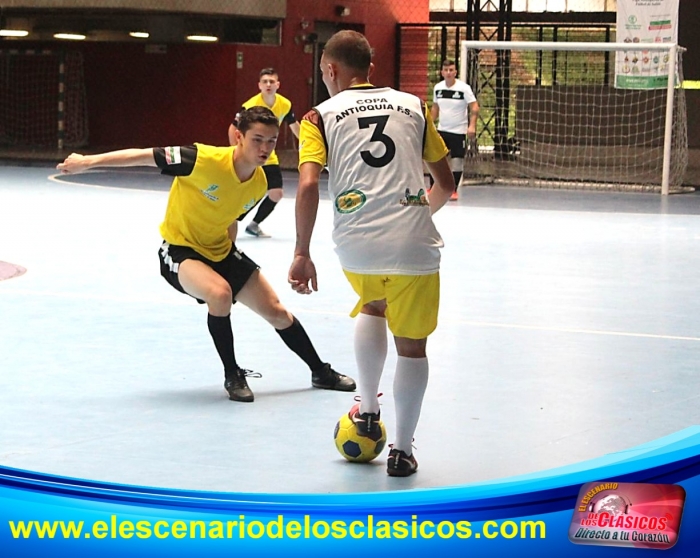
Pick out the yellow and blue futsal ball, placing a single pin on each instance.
(352, 446)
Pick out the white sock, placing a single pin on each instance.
(410, 382)
(370, 355)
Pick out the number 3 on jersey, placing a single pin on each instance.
(378, 135)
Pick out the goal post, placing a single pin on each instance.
(579, 114)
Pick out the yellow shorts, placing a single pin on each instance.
(412, 301)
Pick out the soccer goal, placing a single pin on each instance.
(574, 115)
(42, 99)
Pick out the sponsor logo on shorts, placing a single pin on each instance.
(173, 266)
(350, 201)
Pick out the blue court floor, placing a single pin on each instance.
(569, 329)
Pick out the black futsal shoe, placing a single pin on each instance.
(237, 386)
(367, 424)
(400, 465)
(327, 378)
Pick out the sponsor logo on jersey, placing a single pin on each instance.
(250, 205)
(209, 192)
(172, 156)
(447, 94)
(418, 199)
(350, 201)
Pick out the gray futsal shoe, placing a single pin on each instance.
(254, 229)
(237, 386)
(327, 378)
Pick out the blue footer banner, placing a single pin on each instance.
(643, 498)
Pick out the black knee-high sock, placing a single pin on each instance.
(458, 177)
(296, 339)
(222, 334)
(266, 207)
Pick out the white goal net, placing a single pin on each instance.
(552, 116)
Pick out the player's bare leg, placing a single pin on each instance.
(259, 296)
(201, 281)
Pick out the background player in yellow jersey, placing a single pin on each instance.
(374, 140)
(211, 189)
(282, 108)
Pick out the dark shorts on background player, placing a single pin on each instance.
(236, 267)
(273, 173)
(456, 143)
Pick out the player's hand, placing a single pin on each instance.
(75, 162)
(302, 273)
(472, 147)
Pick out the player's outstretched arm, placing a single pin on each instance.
(302, 273)
(75, 162)
(444, 183)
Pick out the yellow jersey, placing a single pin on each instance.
(282, 109)
(206, 197)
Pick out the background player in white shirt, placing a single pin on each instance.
(455, 109)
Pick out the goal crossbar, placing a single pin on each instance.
(555, 45)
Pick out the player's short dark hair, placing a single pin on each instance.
(268, 72)
(255, 115)
(351, 49)
(448, 62)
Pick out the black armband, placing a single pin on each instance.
(176, 160)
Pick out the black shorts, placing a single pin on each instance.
(456, 143)
(273, 173)
(236, 267)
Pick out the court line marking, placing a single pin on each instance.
(576, 330)
(56, 178)
(472, 323)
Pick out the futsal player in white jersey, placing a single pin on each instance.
(455, 109)
(373, 140)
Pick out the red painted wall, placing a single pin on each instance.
(136, 98)
(191, 92)
(296, 67)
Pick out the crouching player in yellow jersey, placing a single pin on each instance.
(213, 186)
(374, 140)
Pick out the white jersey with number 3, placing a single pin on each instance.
(375, 144)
